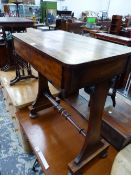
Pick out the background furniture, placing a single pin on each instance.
(13, 24)
(128, 22)
(3, 52)
(64, 14)
(61, 24)
(48, 11)
(123, 41)
(10, 25)
(116, 126)
(105, 24)
(17, 3)
(123, 87)
(116, 24)
(70, 25)
(114, 38)
(25, 10)
(74, 26)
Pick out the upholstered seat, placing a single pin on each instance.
(122, 162)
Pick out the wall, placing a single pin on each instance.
(78, 6)
(120, 7)
(82, 5)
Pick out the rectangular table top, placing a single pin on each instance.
(71, 49)
(14, 20)
(47, 132)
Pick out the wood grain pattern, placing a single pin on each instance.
(70, 53)
(71, 49)
(77, 62)
(38, 60)
(23, 93)
(56, 139)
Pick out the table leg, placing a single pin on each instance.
(93, 144)
(97, 103)
(41, 101)
(23, 70)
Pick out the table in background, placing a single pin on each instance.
(69, 25)
(71, 62)
(92, 32)
(114, 38)
(13, 24)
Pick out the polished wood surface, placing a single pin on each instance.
(47, 132)
(70, 62)
(23, 93)
(15, 22)
(114, 38)
(116, 122)
(72, 49)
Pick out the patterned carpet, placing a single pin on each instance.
(13, 159)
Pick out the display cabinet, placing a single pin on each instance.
(48, 11)
(25, 10)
